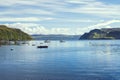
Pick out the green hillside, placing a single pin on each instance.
(9, 34)
(106, 33)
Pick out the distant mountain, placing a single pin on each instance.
(8, 34)
(104, 33)
(55, 37)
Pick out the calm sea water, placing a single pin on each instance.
(71, 60)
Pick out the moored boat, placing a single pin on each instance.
(62, 41)
(42, 46)
(47, 41)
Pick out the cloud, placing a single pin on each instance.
(52, 7)
(79, 20)
(32, 28)
(79, 1)
(60, 13)
(95, 7)
(25, 11)
(21, 2)
(25, 19)
(106, 24)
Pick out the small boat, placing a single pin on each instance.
(11, 49)
(62, 41)
(47, 41)
(41, 43)
(42, 46)
(33, 44)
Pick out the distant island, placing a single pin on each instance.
(102, 34)
(55, 37)
(12, 34)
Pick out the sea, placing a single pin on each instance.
(67, 60)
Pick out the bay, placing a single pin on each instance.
(69, 60)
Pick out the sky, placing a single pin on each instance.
(71, 17)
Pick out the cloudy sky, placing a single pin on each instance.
(60, 16)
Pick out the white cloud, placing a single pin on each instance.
(32, 28)
(54, 7)
(25, 19)
(80, 20)
(95, 8)
(106, 24)
(42, 10)
(22, 2)
(79, 1)
(25, 12)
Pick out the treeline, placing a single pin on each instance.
(12, 34)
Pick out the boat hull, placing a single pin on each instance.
(42, 46)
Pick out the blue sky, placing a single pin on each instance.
(60, 16)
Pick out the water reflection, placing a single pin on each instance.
(103, 44)
(106, 47)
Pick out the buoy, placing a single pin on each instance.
(11, 49)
